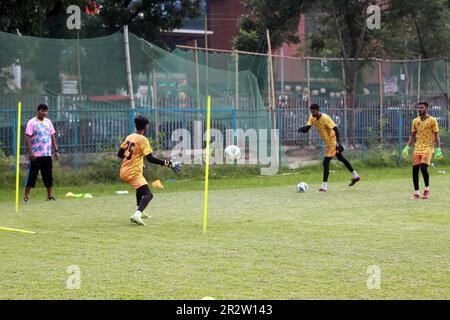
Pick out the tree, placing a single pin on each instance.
(146, 19)
(419, 29)
(409, 29)
(281, 17)
(47, 18)
(344, 33)
(424, 27)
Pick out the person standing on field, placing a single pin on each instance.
(329, 133)
(425, 132)
(40, 138)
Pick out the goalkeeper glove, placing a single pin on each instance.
(405, 152)
(340, 147)
(175, 166)
(438, 155)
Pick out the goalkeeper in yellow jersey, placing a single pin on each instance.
(329, 133)
(132, 152)
(425, 131)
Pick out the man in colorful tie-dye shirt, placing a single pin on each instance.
(40, 136)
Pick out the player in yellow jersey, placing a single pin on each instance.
(425, 131)
(132, 151)
(329, 133)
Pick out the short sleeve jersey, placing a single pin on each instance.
(425, 130)
(41, 133)
(136, 148)
(325, 127)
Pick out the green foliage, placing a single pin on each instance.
(46, 18)
(281, 17)
(416, 28)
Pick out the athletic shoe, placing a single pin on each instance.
(25, 200)
(322, 190)
(354, 180)
(51, 198)
(415, 196)
(138, 220)
(426, 194)
(145, 215)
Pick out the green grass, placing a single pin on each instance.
(264, 241)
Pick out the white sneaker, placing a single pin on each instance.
(136, 219)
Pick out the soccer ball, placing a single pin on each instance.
(232, 152)
(302, 187)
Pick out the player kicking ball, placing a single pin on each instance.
(132, 152)
(329, 133)
(425, 131)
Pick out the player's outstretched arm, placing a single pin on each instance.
(304, 129)
(176, 167)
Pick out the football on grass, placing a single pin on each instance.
(232, 152)
(302, 187)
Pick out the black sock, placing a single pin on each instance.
(138, 198)
(426, 176)
(415, 174)
(145, 195)
(346, 163)
(326, 168)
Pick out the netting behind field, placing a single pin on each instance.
(85, 84)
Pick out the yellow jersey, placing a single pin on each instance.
(425, 130)
(136, 148)
(325, 127)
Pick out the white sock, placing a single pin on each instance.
(417, 192)
(354, 174)
(427, 188)
(324, 185)
(138, 213)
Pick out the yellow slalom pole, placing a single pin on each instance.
(208, 134)
(19, 113)
(16, 230)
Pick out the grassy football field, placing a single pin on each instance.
(264, 241)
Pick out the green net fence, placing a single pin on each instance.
(85, 84)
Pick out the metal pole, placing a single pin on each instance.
(128, 66)
(206, 53)
(78, 61)
(308, 81)
(282, 70)
(237, 80)
(308, 92)
(277, 144)
(418, 81)
(197, 75)
(345, 105)
(271, 82)
(448, 94)
(381, 100)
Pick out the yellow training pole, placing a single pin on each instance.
(16, 230)
(208, 126)
(19, 113)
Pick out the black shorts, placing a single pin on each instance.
(44, 164)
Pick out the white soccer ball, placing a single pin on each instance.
(232, 152)
(302, 187)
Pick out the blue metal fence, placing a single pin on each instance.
(95, 131)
